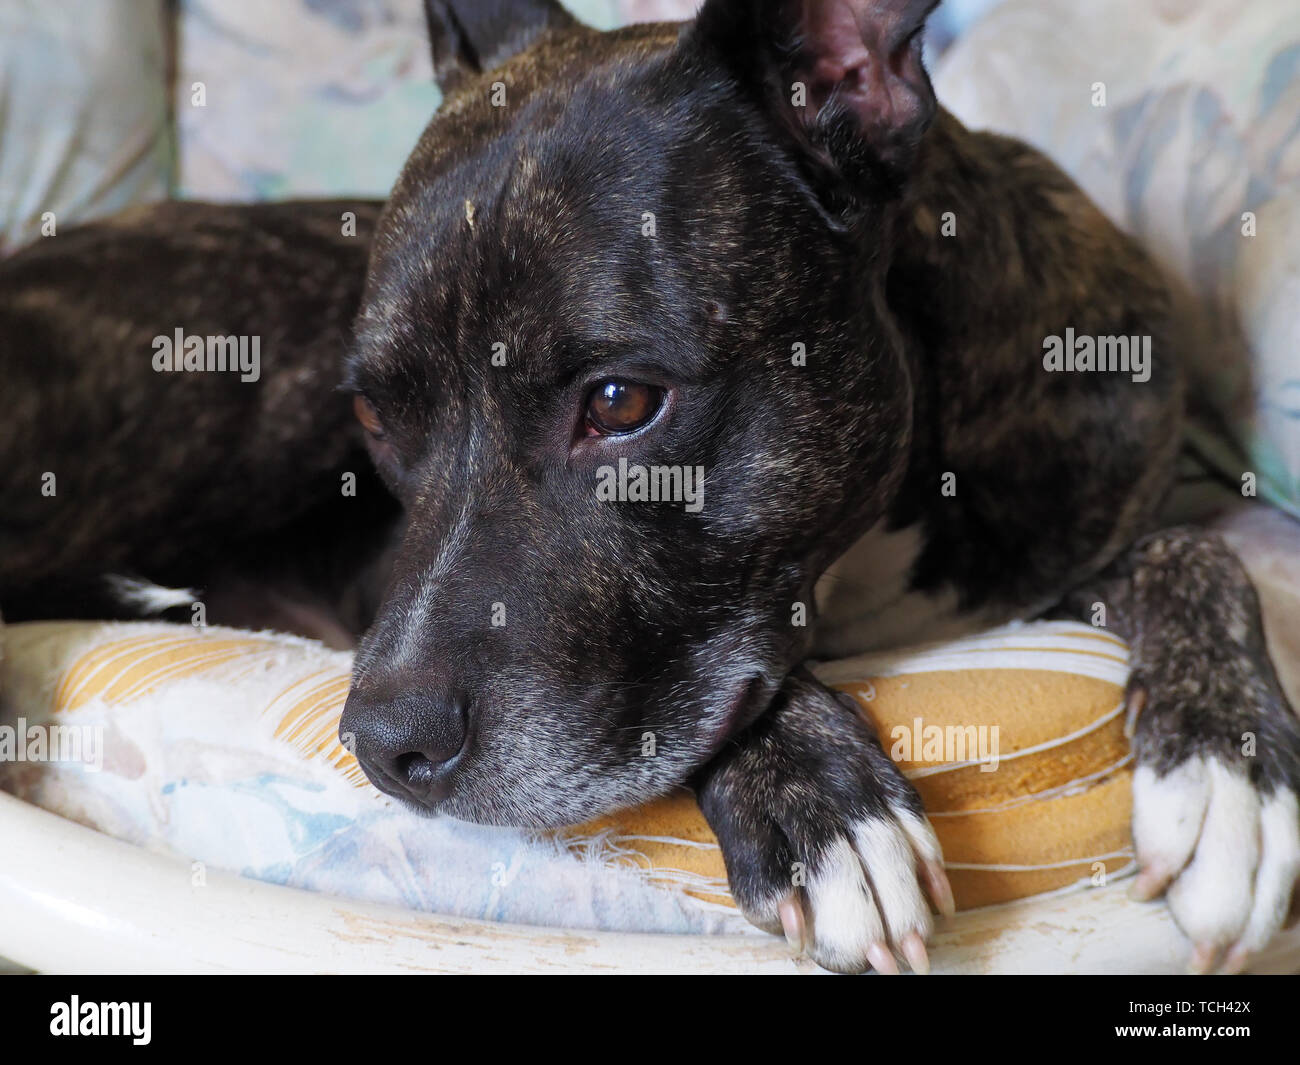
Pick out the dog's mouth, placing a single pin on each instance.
(468, 787)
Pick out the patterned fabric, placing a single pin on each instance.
(83, 111)
(306, 97)
(299, 97)
(222, 747)
(1195, 148)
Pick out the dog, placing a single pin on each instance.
(752, 247)
(116, 467)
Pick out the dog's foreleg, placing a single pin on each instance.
(1217, 746)
(823, 837)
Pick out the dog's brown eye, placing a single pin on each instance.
(615, 407)
(368, 416)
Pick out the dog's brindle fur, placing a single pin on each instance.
(193, 479)
(777, 224)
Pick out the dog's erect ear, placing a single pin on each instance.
(844, 78)
(469, 37)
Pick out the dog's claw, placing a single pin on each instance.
(792, 922)
(938, 887)
(1150, 883)
(1237, 960)
(1205, 957)
(913, 948)
(882, 959)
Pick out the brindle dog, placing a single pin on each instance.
(753, 244)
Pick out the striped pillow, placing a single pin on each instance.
(222, 746)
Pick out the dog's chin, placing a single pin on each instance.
(533, 816)
(480, 799)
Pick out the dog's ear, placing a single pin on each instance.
(844, 79)
(468, 37)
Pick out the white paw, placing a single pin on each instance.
(1226, 856)
(862, 901)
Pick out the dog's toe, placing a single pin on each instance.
(846, 929)
(1275, 878)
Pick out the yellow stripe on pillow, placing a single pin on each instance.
(307, 716)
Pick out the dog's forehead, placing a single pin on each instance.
(579, 227)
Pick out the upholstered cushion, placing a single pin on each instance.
(222, 746)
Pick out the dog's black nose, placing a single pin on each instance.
(406, 740)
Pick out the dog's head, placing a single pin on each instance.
(624, 357)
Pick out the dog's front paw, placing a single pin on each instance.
(823, 838)
(1216, 824)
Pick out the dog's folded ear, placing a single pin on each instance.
(469, 37)
(844, 79)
